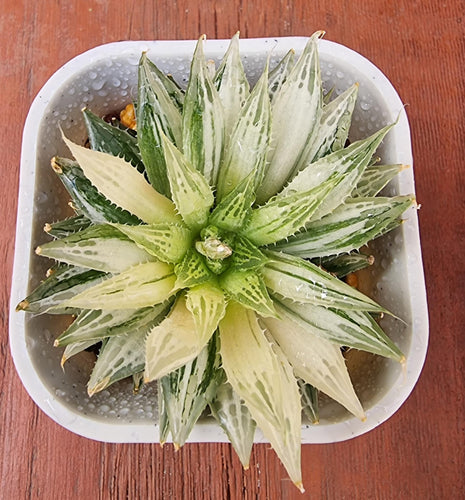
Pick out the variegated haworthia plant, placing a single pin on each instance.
(208, 245)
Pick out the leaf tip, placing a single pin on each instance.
(300, 486)
(56, 168)
(22, 306)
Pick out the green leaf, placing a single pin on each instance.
(233, 209)
(173, 89)
(283, 216)
(188, 390)
(356, 329)
(349, 227)
(342, 265)
(304, 282)
(168, 242)
(120, 357)
(248, 288)
(112, 140)
(232, 85)
(178, 339)
(375, 178)
(249, 141)
(140, 286)
(62, 284)
(192, 270)
(263, 378)
(86, 199)
(122, 184)
(157, 115)
(295, 116)
(203, 120)
(246, 256)
(317, 361)
(235, 419)
(68, 226)
(98, 324)
(191, 192)
(351, 160)
(101, 247)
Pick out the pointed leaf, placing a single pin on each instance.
(283, 216)
(188, 390)
(62, 284)
(375, 178)
(192, 270)
(175, 341)
(351, 160)
(233, 209)
(246, 256)
(233, 86)
(122, 184)
(140, 286)
(355, 329)
(334, 127)
(317, 361)
(207, 304)
(112, 140)
(300, 280)
(349, 227)
(74, 349)
(342, 265)
(248, 288)
(203, 120)
(67, 227)
(86, 199)
(98, 324)
(101, 247)
(191, 192)
(122, 356)
(168, 242)
(235, 419)
(295, 115)
(279, 73)
(263, 378)
(157, 115)
(249, 141)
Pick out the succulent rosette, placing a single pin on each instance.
(209, 245)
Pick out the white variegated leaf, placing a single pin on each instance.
(100, 247)
(317, 361)
(140, 286)
(191, 192)
(263, 378)
(178, 339)
(120, 357)
(123, 185)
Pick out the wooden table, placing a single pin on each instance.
(420, 451)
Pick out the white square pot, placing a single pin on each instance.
(105, 80)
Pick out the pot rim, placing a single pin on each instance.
(102, 430)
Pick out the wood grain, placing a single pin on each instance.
(420, 451)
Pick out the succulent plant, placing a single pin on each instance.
(208, 247)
